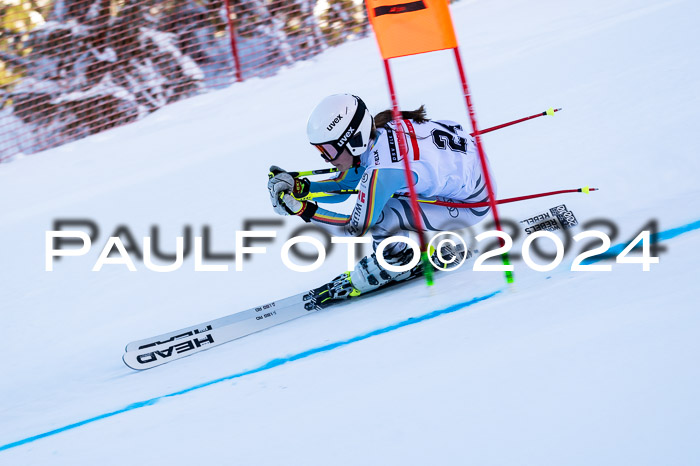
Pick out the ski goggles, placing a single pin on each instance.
(332, 150)
(329, 151)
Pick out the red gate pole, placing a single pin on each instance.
(482, 157)
(427, 267)
(234, 48)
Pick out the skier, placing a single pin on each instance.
(444, 165)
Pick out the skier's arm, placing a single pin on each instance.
(375, 189)
(346, 180)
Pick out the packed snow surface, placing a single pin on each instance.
(563, 368)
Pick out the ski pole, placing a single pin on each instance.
(322, 171)
(550, 111)
(585, 190)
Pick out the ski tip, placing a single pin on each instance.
(126, 363)
(131, 366)
(134, 345)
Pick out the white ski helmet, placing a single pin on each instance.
(339, 121)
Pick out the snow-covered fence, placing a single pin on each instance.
(71, 68)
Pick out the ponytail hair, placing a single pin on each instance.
(382, 119)
(418, 115)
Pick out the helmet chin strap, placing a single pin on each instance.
(356, 162)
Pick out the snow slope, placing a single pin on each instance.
(563, 368)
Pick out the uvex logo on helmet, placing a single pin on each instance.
(342, 141)
(334, 122)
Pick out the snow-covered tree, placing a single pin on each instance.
(71, 68)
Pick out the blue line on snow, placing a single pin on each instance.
(269, 365)
(662, 236)
(673, 232)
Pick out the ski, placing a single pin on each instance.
(188, 332)
(201, 338)
(152, 352)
